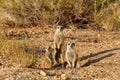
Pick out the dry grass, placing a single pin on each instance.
(20, 52)
(109, 17)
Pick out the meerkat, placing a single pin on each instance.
(47, 61)
(58, 42)
(71, 55)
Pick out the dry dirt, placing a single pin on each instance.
(99, 53)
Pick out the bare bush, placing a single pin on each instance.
(80, 13)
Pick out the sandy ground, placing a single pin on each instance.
(99, 53)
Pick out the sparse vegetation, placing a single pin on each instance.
(20, 53)
(81, 13)
(27, 26)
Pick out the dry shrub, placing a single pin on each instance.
(27, 13)
(109, 18)
(17, 52)
(20, 56)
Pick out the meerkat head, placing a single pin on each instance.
(61, 28)
(48, 48)
(48, 52)
(70, 44)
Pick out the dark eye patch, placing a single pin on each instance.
(73, 44)
(68, 43)
(62, 27)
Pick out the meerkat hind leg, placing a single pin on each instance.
(78, 64)
(62, 60)
(73, 64)
(54, 58)
(69, 63)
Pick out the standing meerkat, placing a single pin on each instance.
(58, 42)
(47, 61)
(71, 55)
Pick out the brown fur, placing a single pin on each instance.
(58, 42)
(71, 56)
(47, 61)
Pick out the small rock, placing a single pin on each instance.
(63, 77)
(96, 79)
(43, 73)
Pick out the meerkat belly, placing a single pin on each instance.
(71, 56)
(58, 40)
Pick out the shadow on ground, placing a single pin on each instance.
(90, 61)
